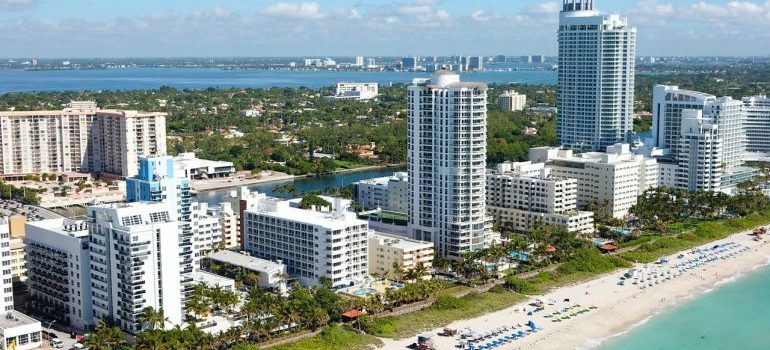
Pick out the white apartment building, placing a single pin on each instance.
(667, 106)
(597, 61)
(520, 199)
(613, 179)
(512, 101)
(312, 244)
(206, 233)
(385, 250)
(718, 127)
(81, 139)
(135, 262)
(228, 223)
(356, 91)
(389, 193)
(447, 135)
(700, 153)
(59, 268)
(17, 331)
(757, 123)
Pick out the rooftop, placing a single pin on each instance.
(399, 242)
(211, 279)
(13, 319)
(63, 226)
(245, 261)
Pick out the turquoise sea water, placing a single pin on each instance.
(735, 316)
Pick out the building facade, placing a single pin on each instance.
(447, 131)
(312, 244)
(135, 263)
(356, 91)
(18, 260)
(59, 267)
(389, 193)
(609, 181)
(386, 250)
(228, 223)
(207, 233)
(757, 123)
(79, 139)
(597, 61)
(512, 101)
(193, 168)
(520, 201)
(667, 106)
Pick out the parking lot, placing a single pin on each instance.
(33, 213)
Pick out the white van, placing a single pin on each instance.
(57, 343)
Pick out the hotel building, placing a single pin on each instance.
(597, 60)
(757, 123)
(512, 101)
(311, 243)
(523, 196)
(385, 250)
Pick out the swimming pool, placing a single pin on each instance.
(364, 291)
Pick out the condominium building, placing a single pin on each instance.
(611, 181)
(17, 331)
(207, 233)
(512, 101)
(18, 260)
(135, 263)
(447, 132)
(389, 193)
(699, 162)
(475, 63)
(597, 61)
(81, 138)
(312, 244)
(59, 268)
(228, 223)
(356, 91)
(386, 250)
(757, 123)
(523, 196)
(409, 63)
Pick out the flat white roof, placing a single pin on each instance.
(63, 226)
(13, 319)
(245, 261)
(399, 242)
(212, 279)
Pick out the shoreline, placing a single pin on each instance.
(209, 185)
(621, 309)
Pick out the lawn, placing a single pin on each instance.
(444, 312)
(333, 338)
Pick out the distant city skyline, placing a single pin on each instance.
(173, 28)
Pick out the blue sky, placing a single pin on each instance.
(141, 28)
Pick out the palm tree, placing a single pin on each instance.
(420, 271)
(106, 337)
(398, 272)
(152, 319)
(150, 340)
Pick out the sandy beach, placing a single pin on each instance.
(619, 308)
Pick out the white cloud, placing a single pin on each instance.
(17, 4)
(305, 10)
(414, 10)
(484, 16)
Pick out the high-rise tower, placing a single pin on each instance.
(596, 77)
(447, 160)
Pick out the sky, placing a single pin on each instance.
(238, 28)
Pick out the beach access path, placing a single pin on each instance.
(620, 308)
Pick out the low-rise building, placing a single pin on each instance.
(193, 168)
(387, 193)
(523, 196)
(311, 243)
(512, 101)
(356, 91)
(386, 250)
(213, 280)
(611, 181)
(271, 274)
(59, 269)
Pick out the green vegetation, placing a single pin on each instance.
(445, 310)
(332, 338)
(313, 200)
(519, 285)
(24, 195)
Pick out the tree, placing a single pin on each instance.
(152, 319)
(314, 200)
(105, 337)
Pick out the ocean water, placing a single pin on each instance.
(12, 80)
(735, 315)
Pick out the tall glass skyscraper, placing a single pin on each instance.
(596, 77)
